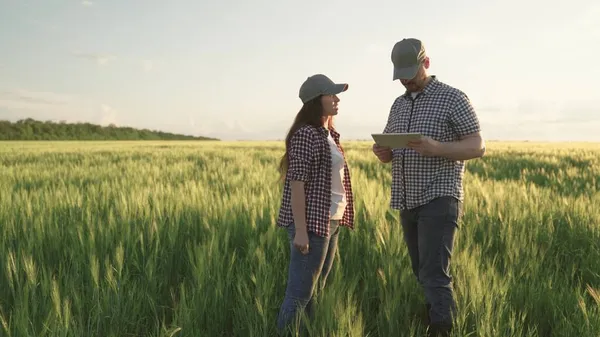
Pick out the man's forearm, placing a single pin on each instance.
(465, 149)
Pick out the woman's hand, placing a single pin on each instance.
(301, 241)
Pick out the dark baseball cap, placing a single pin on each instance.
(320, 84)
(407, 57)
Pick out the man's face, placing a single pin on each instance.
(418, 82)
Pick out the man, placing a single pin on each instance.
(427, 177)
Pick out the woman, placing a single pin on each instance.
(317, 195)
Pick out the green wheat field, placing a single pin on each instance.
(179, 239)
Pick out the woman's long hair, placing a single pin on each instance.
(311, 113)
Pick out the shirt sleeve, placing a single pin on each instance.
(301, 154)
(463, 119)
(389, 125)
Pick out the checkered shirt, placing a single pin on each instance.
(443, 113)
(310, 161)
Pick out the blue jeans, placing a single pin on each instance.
(429, 235)
(307, 274)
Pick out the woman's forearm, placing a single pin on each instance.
(298, 205)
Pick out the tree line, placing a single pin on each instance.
(30, 129)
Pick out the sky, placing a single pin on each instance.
(232, 69)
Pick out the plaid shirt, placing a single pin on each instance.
(443, 113)
(310, 162)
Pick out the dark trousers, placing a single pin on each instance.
(307, 274)
(429, 234)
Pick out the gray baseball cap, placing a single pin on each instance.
(407, 57)
(320, 84)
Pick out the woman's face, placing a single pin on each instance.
(330, 105)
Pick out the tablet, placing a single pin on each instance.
(394, 140)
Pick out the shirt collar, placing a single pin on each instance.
(429, 88)
(323, 130)
(327, 131)
(334, 133)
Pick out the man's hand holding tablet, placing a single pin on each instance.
(395, 140)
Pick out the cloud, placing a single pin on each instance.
(23, 99)
(191, 120)
(589, 21)
(40, 105)
(590, 16)
(147, 65)
(101, 59)
(376, 49)
(464, 40)
(87, 3)
(20, 104)
(108, 115)
(583, 31)
(231, 130)
(41, 25)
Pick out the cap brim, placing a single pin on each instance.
(406, 73)
(338, 88)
